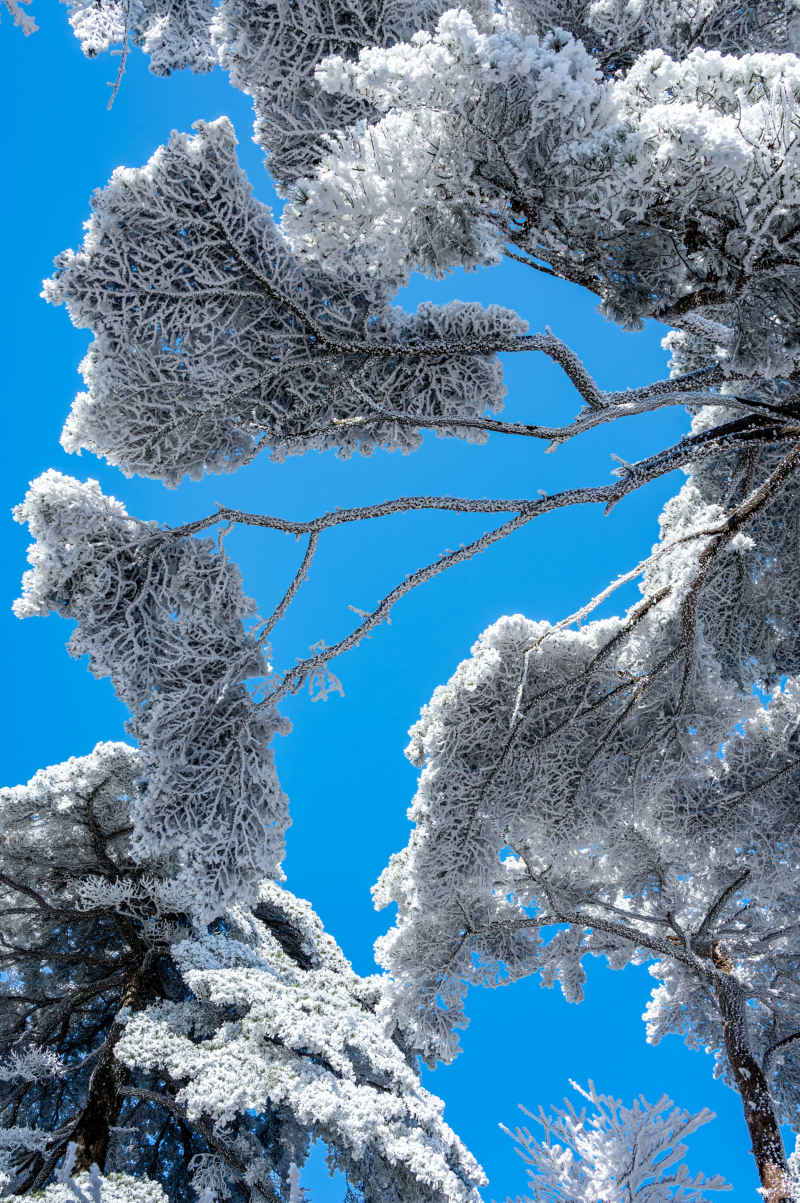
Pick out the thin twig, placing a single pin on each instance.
(290, 594)
(123, 53)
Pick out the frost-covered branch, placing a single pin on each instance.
(293, 589)
(166, 620)
(213, 340)
(302, 672)
(22, 19)
(490, 133)
(95, 1070)
(613, 1153)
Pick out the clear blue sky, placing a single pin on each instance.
(343, 765)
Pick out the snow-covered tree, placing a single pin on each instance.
(185, 1062)
(83, 937)
(606, 791)
(621, 787)
(659, 188)
(613, 1153)
(94, 1187)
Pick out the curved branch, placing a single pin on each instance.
(774, 1048)
(721, 902)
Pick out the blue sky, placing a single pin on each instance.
(342, 766)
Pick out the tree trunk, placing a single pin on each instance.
(759, 1114)
(92, 1133)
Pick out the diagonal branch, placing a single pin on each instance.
(301, 672)
(774, 1048)
(719, 904)
(290, 594)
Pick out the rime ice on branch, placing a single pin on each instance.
(173, 33)
(271, 50)
(202, 1062)
(665, 189)
(571, 780)
(213, 341)
(614, 1153)
(305, 1040)
(165, 620)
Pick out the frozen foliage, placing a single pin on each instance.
(578, 773)
(94, 1187)
(165, 618)
(67, 836)
(610, 817)
(563, 744)
(751, 608)
(82, 935)
(271, 49)
(186, 1063)
(660, 188)
(21, 18)
(212, 340)
(618, 31)
(756, 637)
(573, 801)
(98, 1188)
(517, 750)
(613, 1153)
(380, 192)
(277, 1019)
(174, 33)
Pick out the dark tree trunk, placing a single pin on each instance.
(753, 1089)
(92, 1133)
(93, 1130)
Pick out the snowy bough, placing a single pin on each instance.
(165, 620)
(613, 1153)
(204, 1058)
(210, 331)
(175, 1024)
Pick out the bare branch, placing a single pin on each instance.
(291, 592)
(301, 672)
